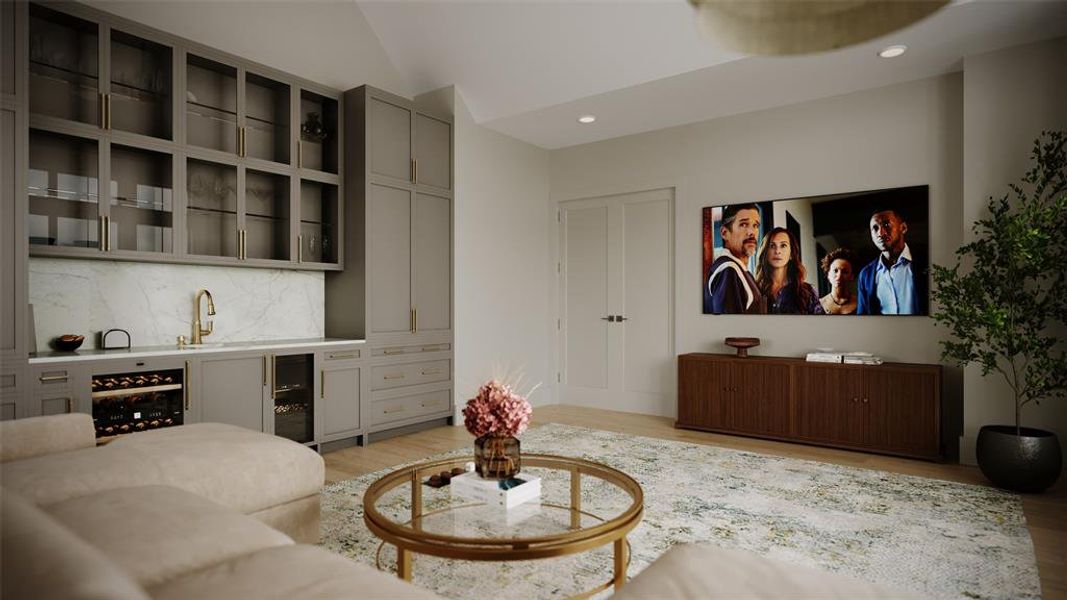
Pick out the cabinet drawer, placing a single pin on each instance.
(384, 377)
(9, 406)
(408, 407)
(409, 350)
(11, 382)
(47, 379)
(350, 354)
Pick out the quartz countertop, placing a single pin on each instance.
(172, 350)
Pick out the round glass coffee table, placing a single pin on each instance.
(584, 505)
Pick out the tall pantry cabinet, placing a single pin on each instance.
(14, 389)
(399, 182)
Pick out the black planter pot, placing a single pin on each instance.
(1029, 462)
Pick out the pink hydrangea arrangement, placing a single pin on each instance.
(497, 410)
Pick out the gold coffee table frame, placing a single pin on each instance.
(409, 537)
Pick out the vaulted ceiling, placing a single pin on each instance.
(529, 69)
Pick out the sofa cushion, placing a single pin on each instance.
(694, 571)
(305, 572)
(41, 559)
(35, 436)
(240, 468)
(156, 533)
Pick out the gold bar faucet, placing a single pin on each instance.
(198, 333)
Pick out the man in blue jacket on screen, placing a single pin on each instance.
(730, 288)
(889, 285)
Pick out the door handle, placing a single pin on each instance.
(620, 318)
(609, 318)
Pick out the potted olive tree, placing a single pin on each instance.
(1006, 308)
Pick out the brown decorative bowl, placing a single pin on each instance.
(742, 344)
(68, 343)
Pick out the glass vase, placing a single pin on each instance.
(496, 456)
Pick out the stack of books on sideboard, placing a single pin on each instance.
(848, 358)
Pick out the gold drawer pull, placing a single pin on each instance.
(430, 348)
(395, 410)
(394, 376)
(430, 405)
(389, 351)
(345, 355)
(50, 378)
(432, 372)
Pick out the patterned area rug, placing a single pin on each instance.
(947, 540)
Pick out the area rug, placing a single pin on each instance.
(943, 539)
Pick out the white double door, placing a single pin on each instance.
(616, 302)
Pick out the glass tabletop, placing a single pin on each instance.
(582, 504)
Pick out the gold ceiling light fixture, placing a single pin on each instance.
(788, 27)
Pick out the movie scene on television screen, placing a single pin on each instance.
(860, 253)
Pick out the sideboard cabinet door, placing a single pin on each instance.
(904, 408)
(829, 405)
(760, 403)
(704, 392)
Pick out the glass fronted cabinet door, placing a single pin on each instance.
(266, 216)
(320, 236)
(139, 96)
(64, 69)
(211, 213)
(141, 207)
(317, 146)
(63, 185)
(265, 133)
(211, 104)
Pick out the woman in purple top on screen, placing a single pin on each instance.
(780, 275)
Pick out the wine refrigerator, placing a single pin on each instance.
(129, 402)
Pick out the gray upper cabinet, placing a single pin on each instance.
(389, 260)
(433, 152)
(139, 97)
(389, 128)
(433, 263)
(211, 104)
(146, 147)
(233, 389)
(65, 67)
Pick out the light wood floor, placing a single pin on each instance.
(1046, 514)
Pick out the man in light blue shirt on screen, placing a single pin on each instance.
(888, 285)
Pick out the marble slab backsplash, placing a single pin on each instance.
(154, 302)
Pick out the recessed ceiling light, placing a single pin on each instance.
(587, 119)
(893, 51)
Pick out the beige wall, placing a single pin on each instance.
(901, 135)
(502, 262)
(1009, 97)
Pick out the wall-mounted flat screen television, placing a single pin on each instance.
(861, 253)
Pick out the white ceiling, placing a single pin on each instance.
(529, 69)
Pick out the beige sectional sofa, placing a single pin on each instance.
(210, 511)
(193, 512)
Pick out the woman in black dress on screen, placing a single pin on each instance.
(780, 275)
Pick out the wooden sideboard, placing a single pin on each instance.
(891, 408)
